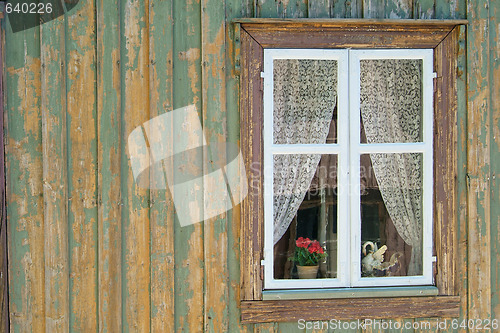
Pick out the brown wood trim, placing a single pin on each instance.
(348, 33)
(252, 208)
(445, 168)
(445, 164)
(348, 309)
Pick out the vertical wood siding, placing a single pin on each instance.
(91, 251)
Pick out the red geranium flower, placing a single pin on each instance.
(314, 247)
(308, 252)
(301, 242)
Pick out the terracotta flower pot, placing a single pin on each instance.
(307, 272)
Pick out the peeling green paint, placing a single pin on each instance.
(189, 61)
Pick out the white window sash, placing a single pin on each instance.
(348, 150)
(356, 149)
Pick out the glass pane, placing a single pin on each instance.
(391, 214)
(305, 215)
(305, 98)
(391, 100)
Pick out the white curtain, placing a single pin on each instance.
(305, 92)
(391, 109)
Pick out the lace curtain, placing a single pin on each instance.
(305, 92)
(391, 107)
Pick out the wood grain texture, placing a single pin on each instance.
(55, 187)
(445, 169)
(478, 162)
(348, 33)
(345, 309)
(109, 109)
(189, 243)
(425, 9)
(234, 9)
(136, 222)
(319, 8)
(252, 213)
(462, 277)
(24, 176)
(82, 167)
(495, 154)
(4, 270)
(214, 112)
(162, 207)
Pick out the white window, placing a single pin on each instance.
(348, 162)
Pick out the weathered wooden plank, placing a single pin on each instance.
(346, 309)
(24, 180)
(162, 207)
(234, 9)
(109, 173)
(266, 328)
(445, 169)
(189, 266)
(293, 8)
(319, 8)
(214, 125)
(55, 187)
(398, 9)
(425, 9)
(4, 270)
(348, 33)
(288, 327)
(136, 222)
(282, 9)
(478, 161)
(267, 8)
(462, 276)
(252, 207)
(82, 166)
(495, 154)
(346, 9)
(373, 9)
(450, 9)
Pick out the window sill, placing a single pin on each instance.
(274, 295)
(349, 309)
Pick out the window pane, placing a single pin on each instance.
(305, 205)
(391, 100)
(305, 97)
(391, 214)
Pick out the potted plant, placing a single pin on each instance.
(308, 254)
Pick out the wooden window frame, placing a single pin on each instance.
(440, 35)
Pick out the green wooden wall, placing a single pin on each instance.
(90, 251)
